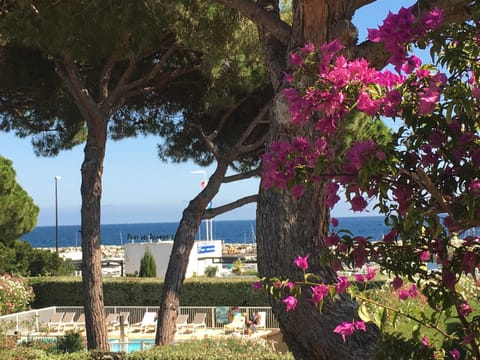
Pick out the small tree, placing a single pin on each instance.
(211, 271)
(237, 267)
(148, 267)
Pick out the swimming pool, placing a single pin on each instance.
(130, 345)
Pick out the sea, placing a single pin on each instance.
(230, 231)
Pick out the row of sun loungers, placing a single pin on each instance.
(60, 321)
(197, 322)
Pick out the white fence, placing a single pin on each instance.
(29, 322)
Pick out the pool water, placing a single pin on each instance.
(131, 345)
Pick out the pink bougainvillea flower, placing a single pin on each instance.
(425, 256)
(425, 341)
(412, 63)
(358, 203)
(331, 240)
(467, 339)
(297, 191)
(331, 197)
(428, 100)
(319, 292)
(308, 48)
(302, 262)
(290, 302)
(360, 325)
(367, 104)
(455, 354)
(347, 328)
(342, 284)
(334, 222)
(344, 329)
(397, 283)
(413, 291)
(371, 272)
(289, 285)
(391, 236)
(288, 78)
(465, 309)
(296, 59)
(257, 285)
(433, 19)
(403, 294)
(359, 277)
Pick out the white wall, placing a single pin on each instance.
(200, 256)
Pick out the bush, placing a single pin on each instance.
(211, 271)
(15, 294)
(71, 342)
(148, 267)
(237, 267)
(25, 260)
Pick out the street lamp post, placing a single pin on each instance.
(208, 223)
(56, 212)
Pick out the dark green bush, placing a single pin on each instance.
(25, 260)
(148, 267)
(211, 271)
(70, 342)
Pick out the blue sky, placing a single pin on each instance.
(137, 186)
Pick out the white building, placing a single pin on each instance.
(201, 256)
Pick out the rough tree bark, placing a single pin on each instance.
(91, 191)
(287, 228)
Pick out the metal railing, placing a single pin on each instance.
(33, 321)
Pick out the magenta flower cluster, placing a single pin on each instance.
(399, 30)
(430, 167)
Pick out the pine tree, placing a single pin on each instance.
(148, 267)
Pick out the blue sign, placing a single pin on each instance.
(206, 248)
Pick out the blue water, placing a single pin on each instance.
(239, 231)
(130, 346)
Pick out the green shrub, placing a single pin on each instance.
(237, 267)
(25, 260)
(211, 271)
(148, 267)
(70, 342)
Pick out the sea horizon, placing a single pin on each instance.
(230, 231)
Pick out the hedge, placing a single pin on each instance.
(134, 291)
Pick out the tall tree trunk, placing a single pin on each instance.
(287, 228)
(91, 190)
(177, 265)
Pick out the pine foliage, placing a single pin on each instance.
(148, 267)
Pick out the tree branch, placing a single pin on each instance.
(86, 104)
(225, 117)
(207, 141)
(454, 11)
(274, 25)
(105, 77)
(241, 176)
(211, 213)
(241, 148)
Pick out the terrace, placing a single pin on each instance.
(34, 324)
